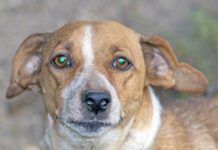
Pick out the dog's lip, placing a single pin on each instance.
(91, 126)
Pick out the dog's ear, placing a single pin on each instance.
(164, 70)
(26, 65)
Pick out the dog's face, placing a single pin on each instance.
(99, 61)
(93, 75)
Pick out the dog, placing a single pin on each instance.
(96, 78)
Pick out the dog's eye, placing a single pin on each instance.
(61, 61)
(121, 63)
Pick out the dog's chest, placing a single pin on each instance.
(114, 140)
(65, 140)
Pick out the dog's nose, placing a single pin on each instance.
(95, 101)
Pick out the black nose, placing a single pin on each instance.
(95, 101)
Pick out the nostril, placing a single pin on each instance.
(90, 102)
(103, 103)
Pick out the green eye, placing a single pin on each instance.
(121, 63)
(61, 61)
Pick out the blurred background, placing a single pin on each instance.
(190, 26)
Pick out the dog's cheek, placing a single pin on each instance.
(130, 93)
(49, 88)
(135, 84)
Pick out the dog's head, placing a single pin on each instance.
(93, 75)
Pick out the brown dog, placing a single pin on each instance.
(96, 81)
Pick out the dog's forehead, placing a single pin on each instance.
(106, 27)
(104, 33)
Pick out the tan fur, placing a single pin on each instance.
(190, 124)
(183, 125)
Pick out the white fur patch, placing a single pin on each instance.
(115, 105)
(143, 139)
(87, 47)
(156, 119)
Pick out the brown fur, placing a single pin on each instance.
(189, 124)
(154, 64)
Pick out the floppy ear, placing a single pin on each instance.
(26, 65)
(164, 70)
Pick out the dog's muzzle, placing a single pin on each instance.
(95, 111)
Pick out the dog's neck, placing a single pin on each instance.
(137, 134)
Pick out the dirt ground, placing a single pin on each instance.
(22, 121)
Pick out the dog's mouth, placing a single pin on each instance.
(86, 128)
(92, 126)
